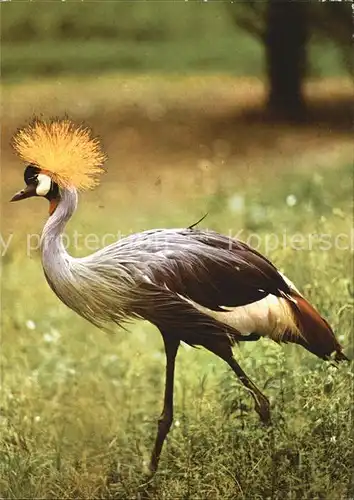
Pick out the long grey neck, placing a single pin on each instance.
(93, 287)
(52, 248)
(64, 274)
(75, 280)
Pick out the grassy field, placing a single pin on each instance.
(78, 406)
(42, 39)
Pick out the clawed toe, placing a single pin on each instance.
(263, 411)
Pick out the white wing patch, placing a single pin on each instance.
(269, 317)
(289, 283)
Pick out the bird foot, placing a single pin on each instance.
(147, 486)
(148, 474)
(263, 410)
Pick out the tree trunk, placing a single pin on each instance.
(286, 37)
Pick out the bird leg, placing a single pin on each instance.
(165, 420)
(261, 401)
(224, 351)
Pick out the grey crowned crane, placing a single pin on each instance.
(195, 286)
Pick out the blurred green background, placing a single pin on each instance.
(51, 38)
(179, 95)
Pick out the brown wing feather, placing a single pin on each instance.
(316, 334)
(206, 267)
(215, 271)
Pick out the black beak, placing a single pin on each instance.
(28, 192)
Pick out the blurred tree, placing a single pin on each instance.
(285, 44)
(285, 28)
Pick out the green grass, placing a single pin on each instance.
(79, 407)
(97, 56)
(46, 39)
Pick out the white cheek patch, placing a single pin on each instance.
(44, 184)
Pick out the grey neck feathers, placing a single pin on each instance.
(92, 286)
(54, 227)
(55, 259)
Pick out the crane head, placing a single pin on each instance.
(39, 184)
(62, 150)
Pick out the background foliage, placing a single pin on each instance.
(52, 38)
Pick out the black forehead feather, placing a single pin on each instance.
(30, 174)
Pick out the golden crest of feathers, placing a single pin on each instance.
(64, 151)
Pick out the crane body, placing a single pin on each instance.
(195, 286)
